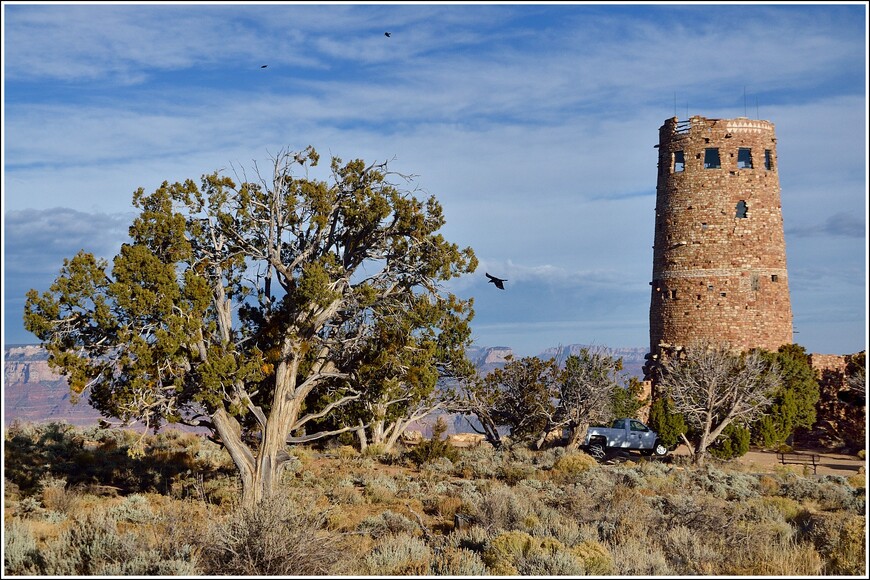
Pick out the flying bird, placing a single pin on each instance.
(499, 282)
(387, 34)
(264, 66)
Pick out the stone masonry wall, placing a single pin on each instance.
(719, 265)
(840, 421)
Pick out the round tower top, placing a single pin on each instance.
(673, 128)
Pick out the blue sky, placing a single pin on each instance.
(533, 125)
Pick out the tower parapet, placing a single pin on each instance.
(719, 266)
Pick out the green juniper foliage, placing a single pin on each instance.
(794, 401)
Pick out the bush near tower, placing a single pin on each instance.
(794, 402)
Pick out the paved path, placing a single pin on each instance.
(829, 463)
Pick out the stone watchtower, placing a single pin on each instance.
(719, 268)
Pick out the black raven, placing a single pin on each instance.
(264, 66)
(499, 282)
(387, 34)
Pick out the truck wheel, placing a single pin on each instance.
(596, 449)
(660, 449)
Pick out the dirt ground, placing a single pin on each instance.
(829, 463)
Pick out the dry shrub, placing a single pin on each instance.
(401, 555)
(595, 556)
(280, 536)
(302, 453)
(346, 452)
(474, 538)
(222, 491)
(629, 514)
(773, 558)
(698, 512)
(94, 546)
(58, 497)
(514, 472)
(828, 492)
(566, 530)
(578, 503)
(458, 562)
(383, 453)
(549, 564)
(789, 508)
(20, 553)
(134, 508)
(478, 462)
(768, 485)
(379, 489)
(346, 495)
(762, 522)
(859, 480)
(640, 557)
(691, 553)
(518, 553)
(179, 524)
(385, 523)
(568, 466)
(839, 538)
(444, 506)
(501, 508)
(504, 552)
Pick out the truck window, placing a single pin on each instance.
(638, 426)
(619, 424)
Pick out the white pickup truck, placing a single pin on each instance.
(623, 434)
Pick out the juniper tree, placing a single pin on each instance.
(403, 365)
(712, 386)
(519, 396)
(856, 375)
(233, 303)
(586, 389)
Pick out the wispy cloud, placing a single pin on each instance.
(36, 242)
(840, 224)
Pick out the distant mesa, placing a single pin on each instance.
(33, 392)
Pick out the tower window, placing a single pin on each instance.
(673, 294)
(703, 225)
(768, 159)
(711, 158)
(774, 278)
(744, 158)
(679, 161)
(754, 282)
(741, 209)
